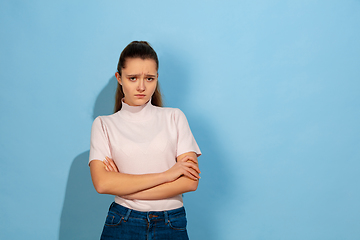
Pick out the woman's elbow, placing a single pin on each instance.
(99, 177)
(101, 187)
(193, 185)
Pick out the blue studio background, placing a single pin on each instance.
(270, 89)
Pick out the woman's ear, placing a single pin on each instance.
(118, 78)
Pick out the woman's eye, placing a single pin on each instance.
(150, 79)
(132, 79)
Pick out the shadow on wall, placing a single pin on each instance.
(84, 210)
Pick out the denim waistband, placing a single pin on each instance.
(151, 215)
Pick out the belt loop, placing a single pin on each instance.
(127, 215)
(166, 217)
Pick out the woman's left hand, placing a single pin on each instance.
(110, 165)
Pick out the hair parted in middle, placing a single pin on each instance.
(143, 50)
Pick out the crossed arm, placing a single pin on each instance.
(182, 177)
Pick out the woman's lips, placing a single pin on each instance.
(140, 95)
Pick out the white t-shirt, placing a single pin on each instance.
(143, 139)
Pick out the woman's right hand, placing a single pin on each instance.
(186, 166)
(110, 165)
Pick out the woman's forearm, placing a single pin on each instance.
(119, 184)
(180, 178)
(166, 190)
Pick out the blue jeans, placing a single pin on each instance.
(124, 223)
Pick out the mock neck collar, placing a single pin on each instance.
(136, 113)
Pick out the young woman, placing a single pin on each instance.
(144, 154)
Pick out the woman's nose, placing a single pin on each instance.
(141, 85)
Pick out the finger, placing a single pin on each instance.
(193, 166)
(192, 174)
(194, 160)
(105, 162)
(189, 159)
(109, 166)
(185, 158)
(113, 165)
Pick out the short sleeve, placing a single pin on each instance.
(99, 142)
(185, 141)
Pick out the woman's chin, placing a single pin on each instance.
(137, 101)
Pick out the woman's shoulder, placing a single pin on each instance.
(168, 110)
(105, 118)
(170, 113)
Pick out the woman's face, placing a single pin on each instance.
(138, 80)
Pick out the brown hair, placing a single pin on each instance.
(143, 50)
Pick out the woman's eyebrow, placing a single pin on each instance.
(133, 75)
(138, 75)
(150, 75)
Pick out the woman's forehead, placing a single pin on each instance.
(140, 66)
